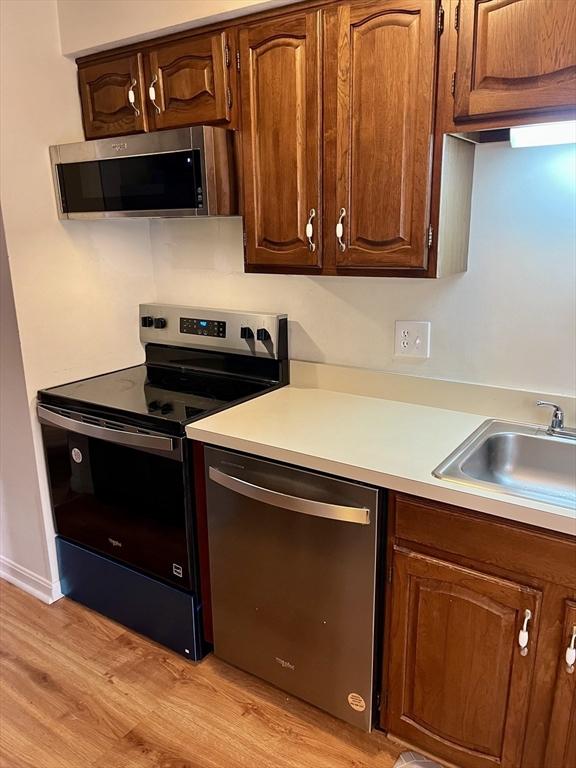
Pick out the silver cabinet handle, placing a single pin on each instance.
(523, 634)
(571, 653)
(152, 93)
(340, 230)
(132, 98)
(359, 515)
(310, 230)
(131, 439)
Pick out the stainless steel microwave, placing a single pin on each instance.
(180, 173)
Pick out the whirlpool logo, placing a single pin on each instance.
(285, 664)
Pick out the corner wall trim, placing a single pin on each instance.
(30, 582)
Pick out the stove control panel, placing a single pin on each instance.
(199, 327)
(245, 333)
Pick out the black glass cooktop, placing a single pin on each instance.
(153, 396)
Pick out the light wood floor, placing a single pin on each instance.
(79, 691)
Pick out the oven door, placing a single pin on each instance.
(119, 492)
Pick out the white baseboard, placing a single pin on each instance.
(28, 581)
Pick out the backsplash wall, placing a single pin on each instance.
(509, 321)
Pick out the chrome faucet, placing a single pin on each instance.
(557, 422)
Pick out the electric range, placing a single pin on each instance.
(127, 486)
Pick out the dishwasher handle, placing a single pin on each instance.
(358, 515)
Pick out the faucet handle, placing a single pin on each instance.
(557, 416)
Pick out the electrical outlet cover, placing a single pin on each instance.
(412, 338)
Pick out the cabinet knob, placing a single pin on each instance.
(310, 230)
(523, 634)
(132, 98)
(340, 230)
(571, 653)
(152, 93)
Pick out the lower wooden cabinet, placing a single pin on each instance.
(561, 746)
(462, 681)
(459, 680)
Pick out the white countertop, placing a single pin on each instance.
(388, 443)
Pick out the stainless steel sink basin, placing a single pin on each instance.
(518, 459)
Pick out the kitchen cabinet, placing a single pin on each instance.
(281, 141)
(378, 118)
(366, 210)
(458, 676)
(191, 81)
(112, 97)
(561, 746)
(514, 56)
(191, 78)
(461, 681)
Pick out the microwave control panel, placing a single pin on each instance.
(199, 327)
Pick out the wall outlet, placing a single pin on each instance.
(412, 338)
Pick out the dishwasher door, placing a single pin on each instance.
(293, 565)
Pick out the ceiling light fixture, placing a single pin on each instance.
(543, 134)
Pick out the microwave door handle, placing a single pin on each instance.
(119, 436)
(359, 515)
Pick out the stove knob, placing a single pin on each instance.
(154, 405)
(159, 322)
(246, 332)
(147, 321)
(262, 334)
(166, 408)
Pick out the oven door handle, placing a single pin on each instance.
(119, 436)
(359, 515)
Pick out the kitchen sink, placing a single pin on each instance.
(519, 459)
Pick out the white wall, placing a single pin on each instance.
(510, 320)
(90, 25)
(76, 285)
(23, 546)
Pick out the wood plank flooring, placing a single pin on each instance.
(79, 691)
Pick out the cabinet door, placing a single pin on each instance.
(105, 95)
(561, 748)
(459, 686)
(191, 82)
(280, 82)
(515, 56)
(379, 105)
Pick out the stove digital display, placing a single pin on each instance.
(199, 327)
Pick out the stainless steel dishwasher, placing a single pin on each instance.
(293, 559)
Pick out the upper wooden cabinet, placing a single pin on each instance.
(353, 199)
(192, 82)
(515, 56)
(112, 97)
(280, 67)
(459, 684)
(378, 121)
(189, 82)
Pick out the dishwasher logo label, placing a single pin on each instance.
(284, 664)
(115, 542)
(356, 702)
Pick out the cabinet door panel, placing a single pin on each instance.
(384, 115)
(281, 140)
(561, 748)
(104, 94)
(515, 56)
(458, 685)
(192, 82)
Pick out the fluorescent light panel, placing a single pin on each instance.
(543, 134)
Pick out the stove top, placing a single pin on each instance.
(153, 395)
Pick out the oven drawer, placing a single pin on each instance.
(165, 614)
